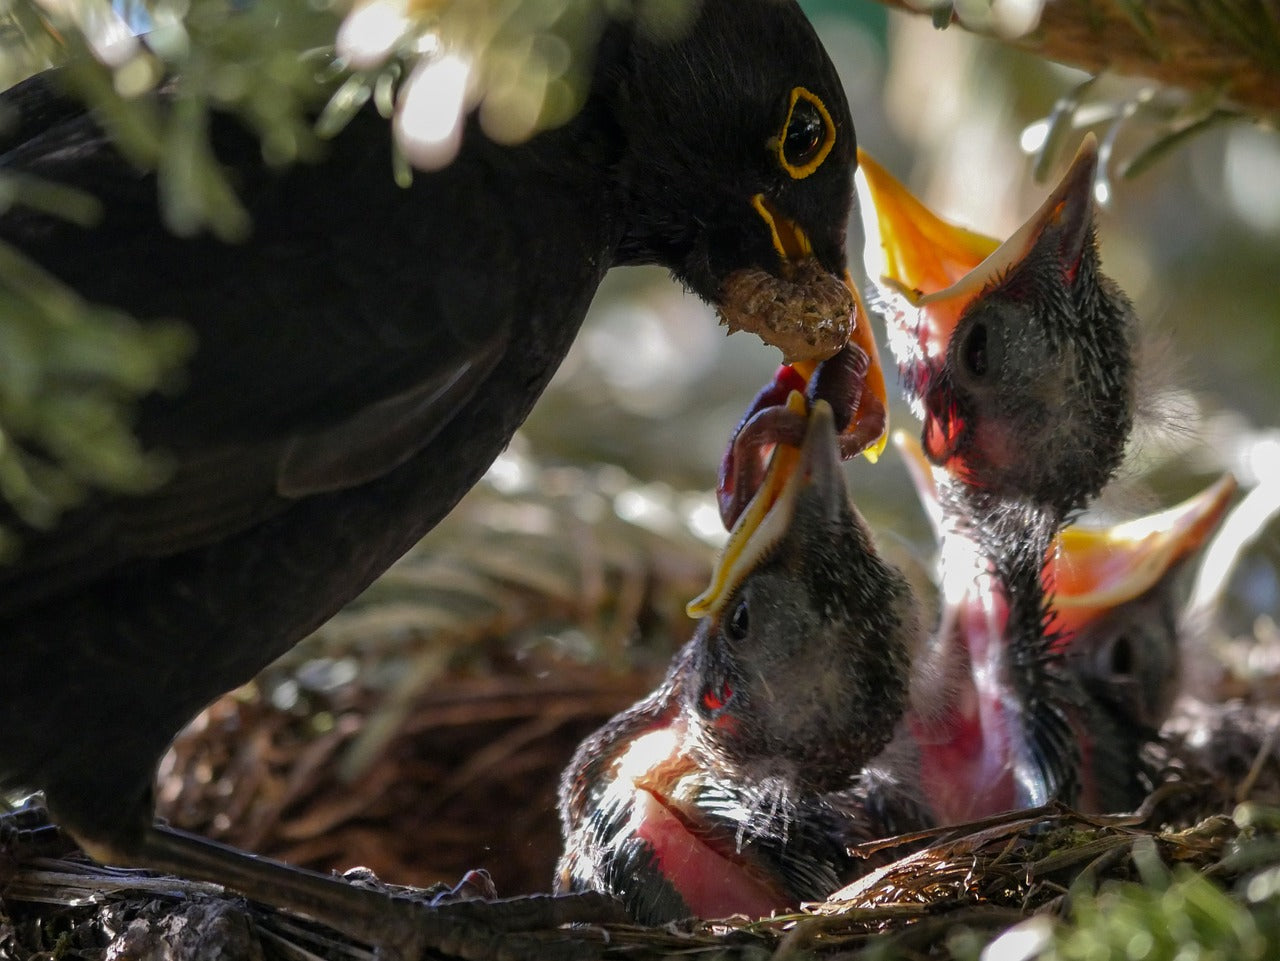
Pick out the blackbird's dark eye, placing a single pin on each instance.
(807, 136)
(804, 134)
(739, 622)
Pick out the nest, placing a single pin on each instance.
(422, 733)
(398, 736)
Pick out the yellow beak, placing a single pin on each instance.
(1093, 571)
(763, 522)
(875, 395)
(940, 268)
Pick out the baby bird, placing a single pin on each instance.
(1018, 357)
(707, 797)
(1106, 676)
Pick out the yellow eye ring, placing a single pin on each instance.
(800, 137)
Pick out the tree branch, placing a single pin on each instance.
(1229, 45)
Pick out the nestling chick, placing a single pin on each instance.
(1011, 721)
(1019, 359)
(706, 798)
(1018, 356)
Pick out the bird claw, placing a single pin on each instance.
(28, 832)
(476, 884)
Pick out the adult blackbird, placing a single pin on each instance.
(1112, 608)
(707, 797)
(360, 362)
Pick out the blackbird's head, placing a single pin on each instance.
(738, 170)
(799, 671)
(1017, 356)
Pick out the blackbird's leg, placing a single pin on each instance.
(403, 928)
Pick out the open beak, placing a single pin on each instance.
(923, 253)
(1094, 570)
(808, 313)
(812, 471)
(940, 268)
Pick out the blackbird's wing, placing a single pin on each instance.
(216, 492)
(325, 357)
(32, 107)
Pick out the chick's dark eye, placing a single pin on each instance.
(739, 622)
(981, 351)
(1122, 656)
(974, 352)
(804, 134)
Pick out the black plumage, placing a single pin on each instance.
(360, 361)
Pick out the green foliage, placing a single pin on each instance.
(1180, 915)
(1169, 121)
(1183, 914)
(69, 374)
(262, 62)
(71, 371)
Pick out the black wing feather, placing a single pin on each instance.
(321, 363)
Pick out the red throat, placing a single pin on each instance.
(712, 883)
(966, 752)
(713, 877)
